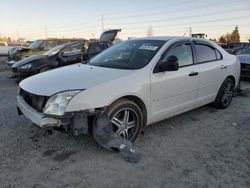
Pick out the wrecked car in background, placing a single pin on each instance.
(62, 55)
(244, 57)
(233, 48)
(38, 47)
(137, 82)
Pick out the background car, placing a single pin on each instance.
(233, 48)
(62, 55)
(38, 47)
(244, 57)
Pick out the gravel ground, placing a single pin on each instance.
(202, 148)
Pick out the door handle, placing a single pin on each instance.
(193, 73)
(223, 67)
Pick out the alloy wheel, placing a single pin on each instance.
(227, 93)
(125, 123)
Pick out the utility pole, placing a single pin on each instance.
(102, 24)
(46, 33)
(17, 34)
(190, 32)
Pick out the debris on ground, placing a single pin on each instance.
(105, 136)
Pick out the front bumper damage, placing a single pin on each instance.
(78, 123)
(36, 117)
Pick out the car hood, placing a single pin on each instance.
(78, 76)
(244, 58)
(28, 60)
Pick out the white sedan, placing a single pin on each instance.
(137, 82)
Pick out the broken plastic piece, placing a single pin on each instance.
(105, 136)
(80, 125)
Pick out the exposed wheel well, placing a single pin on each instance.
(140, 103)
(232, 78)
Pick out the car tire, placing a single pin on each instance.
(127, 118)
(225, 94)
(44, 69)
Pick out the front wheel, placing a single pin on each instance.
(127, 119)
(225, 94)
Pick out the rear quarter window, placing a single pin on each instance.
(218, 55)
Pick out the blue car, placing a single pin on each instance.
(244, 57)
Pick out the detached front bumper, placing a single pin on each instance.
(36, 117)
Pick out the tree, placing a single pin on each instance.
(150, 31)
(222, 40)
(235, 36)
(230, 37)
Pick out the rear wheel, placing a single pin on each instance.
(225, 94)
(127, 119)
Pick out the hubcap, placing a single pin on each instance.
(125, 123)
(227, 93)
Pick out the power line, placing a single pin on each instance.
(94, 26)
(195, 7)
(182, 18)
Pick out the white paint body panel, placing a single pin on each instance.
(164, 94)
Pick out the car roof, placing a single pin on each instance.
(167, 38)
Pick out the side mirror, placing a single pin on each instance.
(170, 65)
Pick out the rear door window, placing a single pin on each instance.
(205, 53)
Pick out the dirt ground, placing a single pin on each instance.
(202, 148)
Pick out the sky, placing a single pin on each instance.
(33, 19)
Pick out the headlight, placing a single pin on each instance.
(57, 104)
(27, 66)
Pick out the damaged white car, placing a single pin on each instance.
(137, 82)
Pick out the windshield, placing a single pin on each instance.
(244, 51)
(134, 54)
(54, 50)
(35, 44)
